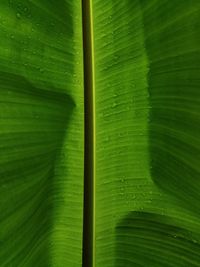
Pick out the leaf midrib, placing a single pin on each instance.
(90, 136)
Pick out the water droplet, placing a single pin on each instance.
(114, 105)
(18, 15)
(107, 138)
(41, 70)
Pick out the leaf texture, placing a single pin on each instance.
(147, 130)
(145, 64)
(41, 133)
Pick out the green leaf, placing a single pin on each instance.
(147, 133)
(147, 239)
(99, 136)
(41, 133)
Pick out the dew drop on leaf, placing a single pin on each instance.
(114, 105)
(18, 15)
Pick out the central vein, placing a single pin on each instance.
(90, 136)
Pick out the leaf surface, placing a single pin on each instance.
(41, 133)
(147, 131)
(144, 145)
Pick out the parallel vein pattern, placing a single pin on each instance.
(41, 133)
(147, 105)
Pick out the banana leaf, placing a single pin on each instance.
(143, 64)
(41, 133)
(147, 60)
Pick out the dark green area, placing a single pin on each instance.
(172, 38)
(33, 124)
(147, 239)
